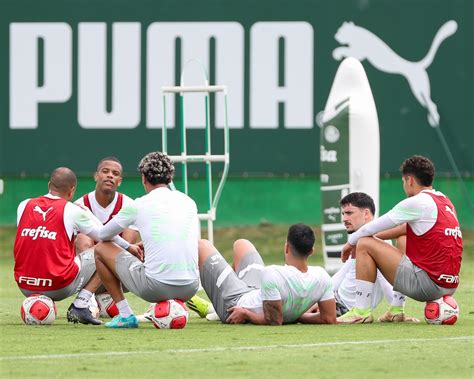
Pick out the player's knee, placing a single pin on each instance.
(205, 247)
(365, 242)
(242, 246)
(98, 251)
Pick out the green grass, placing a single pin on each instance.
(210, 349)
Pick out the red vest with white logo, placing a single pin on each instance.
(44, 254)
(438, 251)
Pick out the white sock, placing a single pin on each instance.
(386, 287)
(124, 308)
(364, 291)
(398, 299)
(82, 299)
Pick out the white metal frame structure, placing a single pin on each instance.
(208, 158)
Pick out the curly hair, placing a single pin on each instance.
(157, 168)
(421, 168)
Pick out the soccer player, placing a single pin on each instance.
(271, 295)
(430, 268)
(45, 261)
(169, 226)
(105, 201)
(357, 209)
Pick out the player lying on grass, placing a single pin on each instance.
(268, 295)
(430, 268)
(358, 209)
(169, 227)
(45, 261)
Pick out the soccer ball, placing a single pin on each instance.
(168, 314)
(107, 307)
(443, 311)
(38, 310)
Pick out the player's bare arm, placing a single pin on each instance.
(273, 312)
(239, 315)
(130, 235)
(347, 251)
(393, 233)
(326, 314)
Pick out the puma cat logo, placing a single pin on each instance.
(41, 212)
(363, 44)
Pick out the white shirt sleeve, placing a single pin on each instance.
(382, 223)
(127, 216)
(20, 210)
(85, 222)
(269, 286)
(419, 211)
(126, 202)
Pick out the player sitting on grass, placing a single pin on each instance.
(430, 268)
(169, 226)
(105, 201)
(357, 209)
(45, 261)
(271, 295)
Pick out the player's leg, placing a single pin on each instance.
(200, 306)
(83, 243)
(218, 279)
(247, 262)
(396, 310)
(106, 255)
(371, 253)
(88, 281)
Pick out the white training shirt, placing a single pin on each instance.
(419, 211)
(103, 214)
(297, 290)
(169, 226)
(76, 219)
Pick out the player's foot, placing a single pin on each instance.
(119, 322)
(397, 314)
(82, 315)
(200, 306)
(356, 316)
(213, 317)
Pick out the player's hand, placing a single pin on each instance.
(137, 250)
(347, 251)
(237, 315)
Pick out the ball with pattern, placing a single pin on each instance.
(38, 310)
(443, 311)
(168, 314)
(107, 306)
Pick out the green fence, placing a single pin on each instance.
(247, 201)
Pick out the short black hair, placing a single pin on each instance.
(359, 200)
(109, 158)
(301, 240)
(421, 168)
(157, 168)
(62, 179)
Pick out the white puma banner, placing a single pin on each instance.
(350, 153)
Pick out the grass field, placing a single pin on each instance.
(210, 349)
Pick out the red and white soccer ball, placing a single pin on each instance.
(168, 314)
(443, 311)
(38, 310)
(107, 307)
